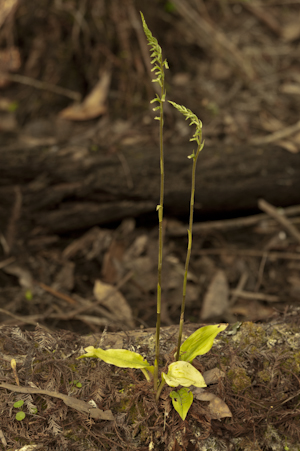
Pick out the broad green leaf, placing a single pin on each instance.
(200, 342)
(118, 357)
(182, 401)
(183, 373)
(20, 416)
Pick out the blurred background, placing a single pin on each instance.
(79, 162)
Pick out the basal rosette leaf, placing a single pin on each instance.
(118, 357)
(183, 373)
(200, 342)
(20, 415)
(182, 401)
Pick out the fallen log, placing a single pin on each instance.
(73, 187)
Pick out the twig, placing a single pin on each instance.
(287, 131)
(4, 442)
(250, 253)
(43, 86)
(70, 401)
(227, 224)
(240, 286)
(4, 244)
(258, 296)
(279, 217)
(31, 319)
(261, 270)
(56, 293)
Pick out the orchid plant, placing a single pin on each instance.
(181, 372)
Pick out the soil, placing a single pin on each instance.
(236, 65)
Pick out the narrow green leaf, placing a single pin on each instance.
(20, 416)
(156, 99)
(118, 357)
(182, 401)
(183, 373)
(200, 342)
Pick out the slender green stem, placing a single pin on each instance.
(189, 115)
(159, 66)
(189, 249)
(160, 239)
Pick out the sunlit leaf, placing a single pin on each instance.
(118, 357)
(200, 342)
(183, 373)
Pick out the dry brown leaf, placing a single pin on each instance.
(217, 408)
(296, 138)
(93, 105)
(213, 376)
(24, 275)
(253, 310)
(114, 301)
(113, 267)
(216, 298)
(291, 30)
